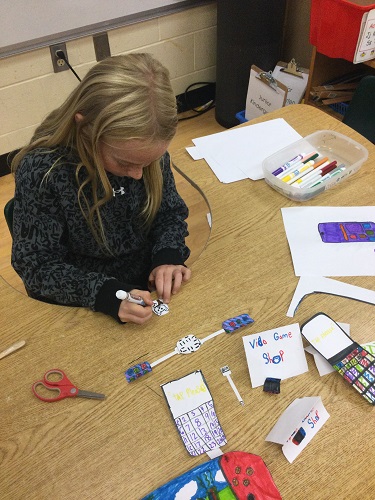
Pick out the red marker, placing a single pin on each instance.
(328, 168)
(318, 175)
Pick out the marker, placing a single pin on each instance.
(317, 168)
(298, 171)
(305, 159)
(318, 175)
(134, 299)
(309, 157)
(301, 174)
(334, 172)
(289, 164)
(325, 171)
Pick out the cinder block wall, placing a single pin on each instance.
(184, 42)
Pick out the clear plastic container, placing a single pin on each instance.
(328, 143)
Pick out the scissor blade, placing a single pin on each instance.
(90, 395)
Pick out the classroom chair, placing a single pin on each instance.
(8, 213)
(360, 114)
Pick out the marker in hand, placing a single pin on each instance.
(134, 299)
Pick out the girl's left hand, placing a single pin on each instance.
(167, 280)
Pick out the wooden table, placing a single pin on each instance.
(127, 445)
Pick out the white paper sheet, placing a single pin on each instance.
(312, 257)
(311, 284)
(302, 419)
(238, 154)
(276, 353)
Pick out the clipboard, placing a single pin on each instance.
(294, 77)
(264, 93)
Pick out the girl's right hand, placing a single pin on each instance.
(134, 313)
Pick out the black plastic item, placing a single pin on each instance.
(272, 385)
(248, 32)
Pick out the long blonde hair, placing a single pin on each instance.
(121, 98)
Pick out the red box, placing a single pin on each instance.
(335, 26)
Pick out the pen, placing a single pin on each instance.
(134, 299)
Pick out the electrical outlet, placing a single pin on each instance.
(58, 62)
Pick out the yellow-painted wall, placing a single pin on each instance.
(185, 42)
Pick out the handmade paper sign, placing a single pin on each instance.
(276, 353)
(298, 425)
(192, 408)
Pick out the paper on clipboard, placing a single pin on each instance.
(296, 84)
(365, 49)
(264, 94)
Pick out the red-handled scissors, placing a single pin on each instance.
(62, 386)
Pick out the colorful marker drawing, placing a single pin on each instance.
(347, 232)
(236, 475)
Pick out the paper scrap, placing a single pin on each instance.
(299, 423)
(316, 284)
(322, 364)
(194, 153)
(276, 353)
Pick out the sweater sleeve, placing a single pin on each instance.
(40, 252)
(169, 228)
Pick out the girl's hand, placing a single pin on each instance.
(134, 313)
(167, 280)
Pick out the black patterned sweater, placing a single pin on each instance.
(56, 254)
